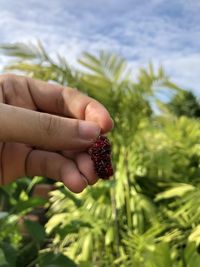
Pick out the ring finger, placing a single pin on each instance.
(56, 166)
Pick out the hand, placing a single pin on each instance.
(46, 130)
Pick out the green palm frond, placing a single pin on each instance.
(24, 51)
(107, 66)
(148, 214)
(33, 60)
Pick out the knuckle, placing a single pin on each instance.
(49, 124)
(8, 78)
(60, 103)
(11, 85)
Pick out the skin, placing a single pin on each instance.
(46, 130)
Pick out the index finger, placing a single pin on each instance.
(69, 102)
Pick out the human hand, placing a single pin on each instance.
(46, 130)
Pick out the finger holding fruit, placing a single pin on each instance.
(43, 126)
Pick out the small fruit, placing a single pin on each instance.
(100, 153)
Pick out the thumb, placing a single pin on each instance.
(45, 130)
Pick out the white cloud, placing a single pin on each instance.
(185, 71)
(134, 29)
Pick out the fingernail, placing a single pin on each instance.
(112, 123)
(88, 130)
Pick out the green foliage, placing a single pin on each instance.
(185, 103)
(50, 259)
(148, 214)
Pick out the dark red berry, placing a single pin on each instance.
(100, 153)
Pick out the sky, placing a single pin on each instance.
(165, 32)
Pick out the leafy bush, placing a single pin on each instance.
(148, 214)
(185, 104)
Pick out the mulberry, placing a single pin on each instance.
(100, 153)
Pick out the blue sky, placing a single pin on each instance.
(165, 32)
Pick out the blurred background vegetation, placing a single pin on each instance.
(148, 214)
